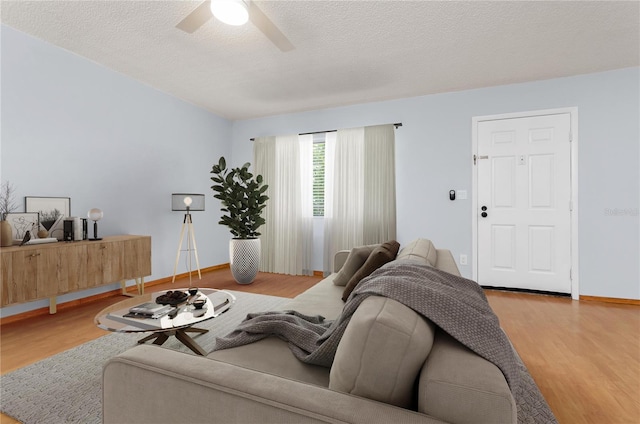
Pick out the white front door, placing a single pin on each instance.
(523, 202)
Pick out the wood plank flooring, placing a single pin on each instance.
(584, 356)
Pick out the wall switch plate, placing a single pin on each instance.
(463, 259)
(461, 194)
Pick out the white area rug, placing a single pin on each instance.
(67, 387)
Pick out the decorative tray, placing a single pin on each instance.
(172, 298)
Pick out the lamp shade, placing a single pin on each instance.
(180, 202)
(95, 214)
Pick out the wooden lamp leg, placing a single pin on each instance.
(175, 267)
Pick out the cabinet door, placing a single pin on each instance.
(76, 260)
(105, 263)
(19, 275)
(71, 268)
(49, 271)
(137, 257)
(6, 275)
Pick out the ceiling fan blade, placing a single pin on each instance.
(268, 28)
(197, 18)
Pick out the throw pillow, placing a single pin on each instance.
(357, 257)
(382, 254)
(382, 352)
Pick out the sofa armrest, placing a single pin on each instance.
(150, 384)
(445, 262)
(458, 386)
(339, 259)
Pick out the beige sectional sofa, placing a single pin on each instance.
(379, 374)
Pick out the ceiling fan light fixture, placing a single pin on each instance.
(231, 12)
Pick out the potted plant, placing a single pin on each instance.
(7, 205)
(243, 198)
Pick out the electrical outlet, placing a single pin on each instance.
(463, 259)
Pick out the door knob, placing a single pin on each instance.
(484, 214)
(484, 208)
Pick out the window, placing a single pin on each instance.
(318, 175)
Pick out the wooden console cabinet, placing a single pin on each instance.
(43, 271)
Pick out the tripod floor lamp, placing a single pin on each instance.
(187, 202)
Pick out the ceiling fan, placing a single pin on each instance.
(203, 13)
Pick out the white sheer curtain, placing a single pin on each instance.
(360, 199)
(329, 158)
(379, 219)
(286, 163)
(264, 153)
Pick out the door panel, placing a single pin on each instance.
(504, 187)
(541, 180)
(541, 249)
(523, 202)
(503, 243)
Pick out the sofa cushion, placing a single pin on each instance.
(357, 257)
(458, 386)
(381, 352)
(321, 299)
(273, 355)
(421, 250)
(381, 255)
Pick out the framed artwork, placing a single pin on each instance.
(21, 223)
(52, 212)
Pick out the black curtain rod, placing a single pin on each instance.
(397, 124)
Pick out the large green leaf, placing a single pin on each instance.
(242, 197)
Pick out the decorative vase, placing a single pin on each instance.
(244, 255)
(6, 235)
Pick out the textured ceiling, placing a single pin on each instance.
(346, 52)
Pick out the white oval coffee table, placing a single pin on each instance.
(113, 318)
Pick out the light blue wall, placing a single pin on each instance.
(75, 129)
(433, 155)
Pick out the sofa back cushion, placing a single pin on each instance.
(382, 352)
(421, 250)
(357, 257)
(381, 255)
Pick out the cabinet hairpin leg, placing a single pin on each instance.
(139, 287)
(123, 288)
(140, 284)
(52, 305)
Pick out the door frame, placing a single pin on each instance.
(573, 112)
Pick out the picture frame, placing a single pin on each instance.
(52, 212)
(22, 222)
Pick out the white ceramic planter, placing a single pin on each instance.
(244, 256)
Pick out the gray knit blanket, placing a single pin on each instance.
(455, 304)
